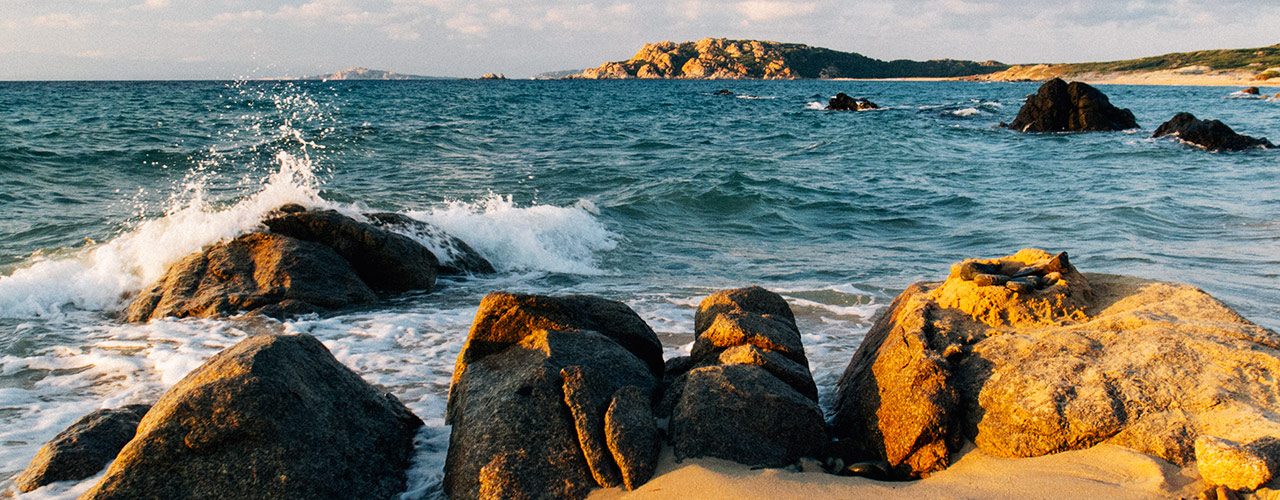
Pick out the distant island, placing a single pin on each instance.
(720, 58)
(358, 73)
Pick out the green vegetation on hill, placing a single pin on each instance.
(1255, 59)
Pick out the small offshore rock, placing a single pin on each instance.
(1212, 135)
(1251, 91)
(1076, 107)
(723, 92)
(1237, 466)
(842, 102)
(990, 279)
(82, 449)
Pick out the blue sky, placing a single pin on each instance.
(164, 39)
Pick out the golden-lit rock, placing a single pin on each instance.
(1237, 466)
(1088, 359)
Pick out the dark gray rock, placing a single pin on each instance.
(842, 102)
(269, 273)
(272, 417)
(531, 392)
(780, 366)
(82, 449)
(1076, 107)
(1212, 135)
(632, 435)
(384, 260)
(455, 256)
(744, 414)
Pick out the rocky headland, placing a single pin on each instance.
(1254, 66)
(720, 58)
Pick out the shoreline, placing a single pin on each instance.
(1102, 471)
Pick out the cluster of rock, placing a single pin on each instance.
(842, 102)
(1157, 367)
(493, 76)
(553, 396)
(270, 417)
(307, 261)
(1077, 107)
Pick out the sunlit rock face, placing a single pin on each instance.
(1061, 362)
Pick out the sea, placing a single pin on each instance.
(654, 193)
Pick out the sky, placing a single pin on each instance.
(222, 39)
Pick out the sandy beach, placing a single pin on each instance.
(1104, 471)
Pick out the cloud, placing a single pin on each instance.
(768, 10)
(151, 5)
(61, 21)
(93, 54)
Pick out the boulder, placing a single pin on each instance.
(1075, 107)
(1212, 135)
(1091, 358)
(539, 403)
(272, 417)
(1237, 466)
(842, 102)
(745, 392)
(384, 260)
(83, 449)
(1251, 91)
(258, 272)
(454, 256)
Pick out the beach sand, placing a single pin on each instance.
(1104, 471)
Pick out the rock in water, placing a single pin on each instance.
(272, 417)
(746, 393)
(383, 259)
(1092, 358)
(842, 102)
(1074, 107)
(1251, 91)
(267, 273)
(1212, 135)
(539, 406)
(455, 256)
(83, 449)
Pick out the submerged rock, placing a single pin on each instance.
(549, 399)
(745, 393)
(1076, 107)
(842, 102)
(83, 449)
(1212, 135)
(272, 417)
(1094, 358)
(454, 256)
(268, 273)
(384, 260)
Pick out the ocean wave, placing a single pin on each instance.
(965, 112)
(531, 238)
(99, 277)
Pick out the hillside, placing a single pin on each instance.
(1260, 64)
(719, 58)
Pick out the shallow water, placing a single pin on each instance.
(654, 193)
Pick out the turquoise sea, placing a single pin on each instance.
(655, 193)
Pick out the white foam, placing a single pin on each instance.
(817, 106)
(530, 238)
(966, 112)
(99, 277)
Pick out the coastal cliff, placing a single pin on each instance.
(724, 59)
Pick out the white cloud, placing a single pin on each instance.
(151, 5)
(768, 10)
(61, 21)
(466, 24)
